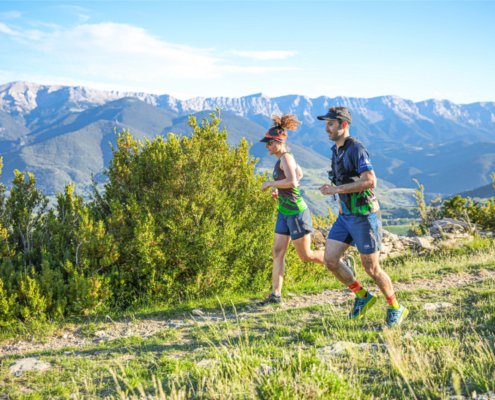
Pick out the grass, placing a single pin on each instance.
(312, 352)
(402, 230)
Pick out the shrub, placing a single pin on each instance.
(7, 302)
(324, 221)
(37, 246)
(457, 207)
(179, 218)
(187, 215)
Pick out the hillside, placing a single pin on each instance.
(64, 134)
(304, 349)
(483, 192)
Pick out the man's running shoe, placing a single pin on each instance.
(361, 306)
(395, 316)
(349, 262)
(271, 299)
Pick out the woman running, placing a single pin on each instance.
(294, 218)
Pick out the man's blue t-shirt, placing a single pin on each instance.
(348, 162)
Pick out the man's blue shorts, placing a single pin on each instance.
(363, 231)
(296, 226)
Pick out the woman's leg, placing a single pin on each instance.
(280, 245)
(303, 249)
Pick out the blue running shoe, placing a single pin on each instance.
(395, 316)
(362, 305)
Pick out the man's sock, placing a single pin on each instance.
(358, 289)
(392, 302)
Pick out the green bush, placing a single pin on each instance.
(179, 218)
(31, 303)
(457, 207)
(324, 221)
(482, 214)
(187, 215)
(37, 246)
(25, 209)
(7, 302)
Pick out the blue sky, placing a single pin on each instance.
(413, 49)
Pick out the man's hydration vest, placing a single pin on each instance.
(344, 171)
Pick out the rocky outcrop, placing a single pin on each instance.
(451, 227)
(395, 245)
(444, 233)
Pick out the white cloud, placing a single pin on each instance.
(108, 50)
(265, 55)
(256, 70)
(125, 56)
(5, 29)
(21, 36)
(111, 52)
(10, 14)
(82, 13)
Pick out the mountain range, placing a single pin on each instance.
(65, 134)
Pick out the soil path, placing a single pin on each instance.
(145, 327)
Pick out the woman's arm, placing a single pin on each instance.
(299, 173)
(289, 166)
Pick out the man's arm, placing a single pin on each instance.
(367, 180)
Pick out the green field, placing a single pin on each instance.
(402, 230)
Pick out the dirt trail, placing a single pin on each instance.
(111, 330)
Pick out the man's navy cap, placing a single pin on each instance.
(340, 113)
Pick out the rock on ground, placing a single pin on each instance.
(28, 364)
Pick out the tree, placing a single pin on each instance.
(25, 209)
(427, 213)
(4, 234)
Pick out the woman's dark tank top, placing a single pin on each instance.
(290, 201)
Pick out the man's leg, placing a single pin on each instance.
(372, 267)
(333, 261)
(302, 225)
(306, 254)
(364, 300)
(395, 313)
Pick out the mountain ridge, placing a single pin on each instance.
(431, 140)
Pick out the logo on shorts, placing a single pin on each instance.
(367, 246)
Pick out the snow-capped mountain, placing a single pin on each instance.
(62, 133)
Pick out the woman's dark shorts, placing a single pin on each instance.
(296, 226)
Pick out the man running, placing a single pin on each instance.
(294, 221)
(358, 223)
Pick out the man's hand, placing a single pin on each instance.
(266, 185)
(275, 193)
(328, 189)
